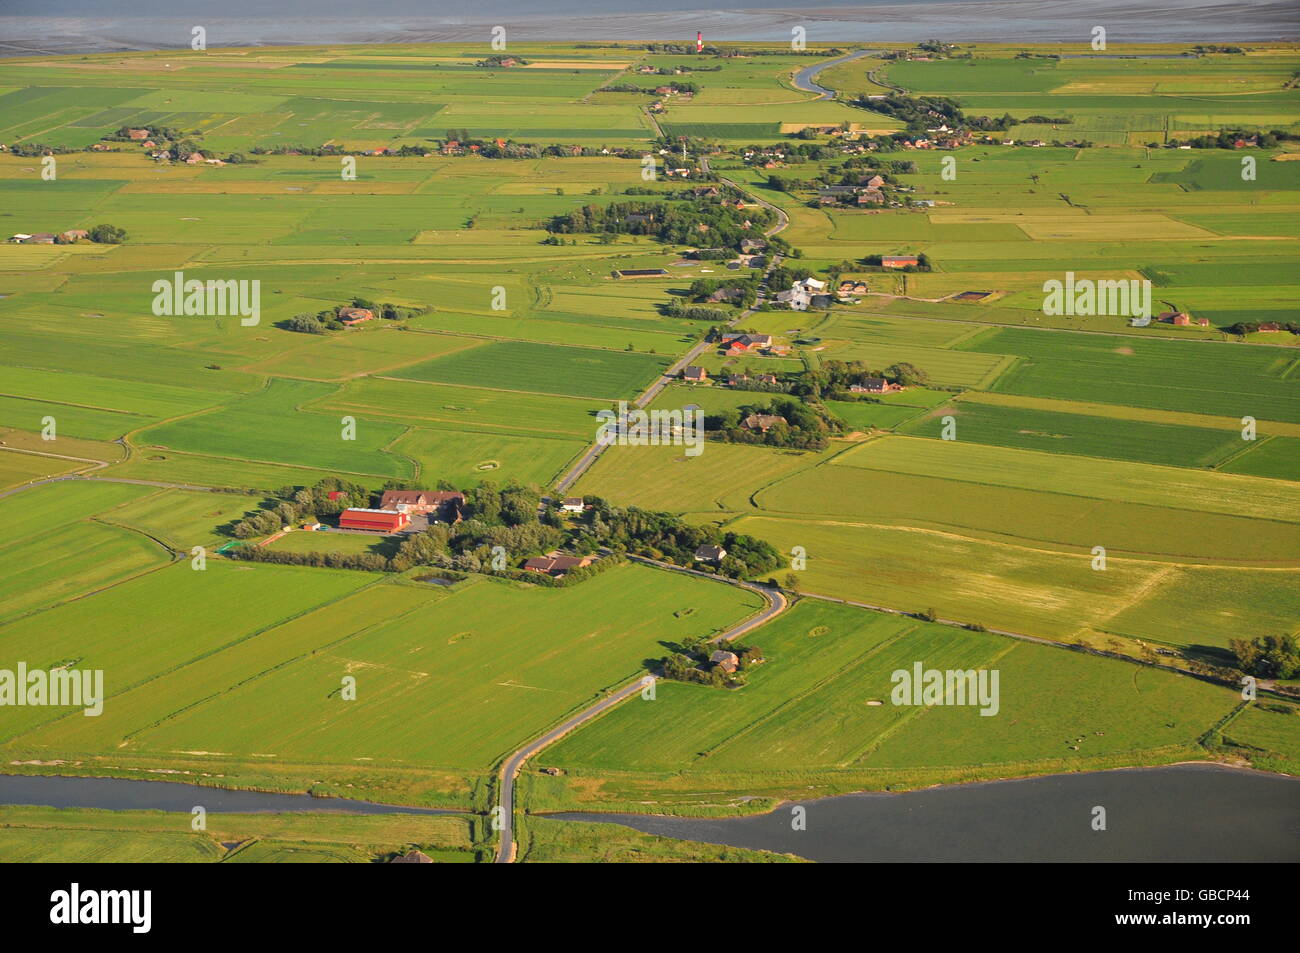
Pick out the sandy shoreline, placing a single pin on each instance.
(1167, 21)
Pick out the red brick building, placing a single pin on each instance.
(447, 504)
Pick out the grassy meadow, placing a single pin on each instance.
(1176, 449)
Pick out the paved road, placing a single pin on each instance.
(506, 849)
(593, 452)
(805, 79)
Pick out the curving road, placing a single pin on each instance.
(506, 849)
(805, 79)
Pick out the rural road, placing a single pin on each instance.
(592, 454)
(776, 604)
(805, 79)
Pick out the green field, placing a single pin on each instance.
(809, 707)
(504, 341)
(542, 368)
(48, 835)
(498, 659)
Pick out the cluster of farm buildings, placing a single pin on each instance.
(396, 507)
(402, 510)
(69, 237)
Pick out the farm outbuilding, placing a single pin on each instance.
(375, 521)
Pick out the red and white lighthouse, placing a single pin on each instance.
(699, 41)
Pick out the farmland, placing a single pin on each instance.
(810, 706)
(501, 658)
(979, 495)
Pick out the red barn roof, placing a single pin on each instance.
(380, 521)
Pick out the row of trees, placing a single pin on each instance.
(1228, 139)
(676, 223)
(1250, 327)
(512, 517)
(666, 537)
(833, 379)
(677, 87)
(920, 113)
(328, 320)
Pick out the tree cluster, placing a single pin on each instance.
(677, 223)
(1268, 656)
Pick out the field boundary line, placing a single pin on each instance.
(1238, 454)
(69, 403)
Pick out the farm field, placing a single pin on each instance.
(49, 835)
(1054, 519)
(506, 660)
(542, 368)
(666, 478)
(1115, 488)
(809, 705)
(1027, 429)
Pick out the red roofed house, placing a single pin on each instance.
(762, 422)
(446, 503)
(336, 494)
(351, 316)
(727, 661)
(1180, 318)
(557, 565)
(898, 261)
(138, 133)
(696, 375)
(374, 521)
(742, 342)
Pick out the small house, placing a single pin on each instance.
(696, 375)
(572, 504)
(762, 422)
(874, 385)
(727, 661)
(557, 565)
(351, 316)
(710, 553)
